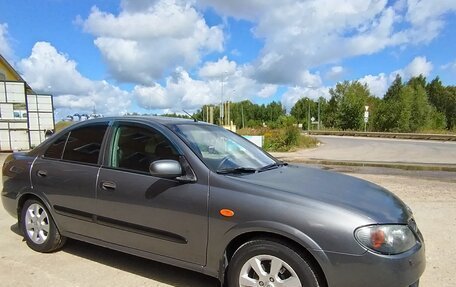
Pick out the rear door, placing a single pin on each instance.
(152, 214)
(66, 175)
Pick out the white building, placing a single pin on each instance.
(25, 116)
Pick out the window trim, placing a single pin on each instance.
(68, 133)
(114, 127)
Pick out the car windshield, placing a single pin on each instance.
(223, 151)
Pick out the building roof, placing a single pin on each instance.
(16, 77)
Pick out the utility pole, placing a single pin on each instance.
(221, 101)
(318, 113)
(308, 117)
(242, 114)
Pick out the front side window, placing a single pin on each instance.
(84, 144)
(135, 148)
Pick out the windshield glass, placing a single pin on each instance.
(223, 151)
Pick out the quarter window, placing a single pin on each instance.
(56, 149)
(135, 148)
(84, 144)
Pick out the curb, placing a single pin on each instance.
(409, 136)
(396, 165)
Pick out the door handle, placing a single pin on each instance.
(41, 173)
(108, 185)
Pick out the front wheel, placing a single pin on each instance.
(38, 227)
(267, 263)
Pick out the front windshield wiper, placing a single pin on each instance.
(272, 166)
(236, 170)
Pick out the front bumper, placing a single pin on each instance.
(376, 270)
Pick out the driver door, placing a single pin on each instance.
(135, 209)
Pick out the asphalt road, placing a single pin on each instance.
(337, 148)
(432, 196)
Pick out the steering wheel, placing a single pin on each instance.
(226, 161)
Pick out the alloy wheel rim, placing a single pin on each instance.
(268, 271)
(37, 223)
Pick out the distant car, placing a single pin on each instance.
(200, 197)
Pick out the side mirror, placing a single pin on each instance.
(165, 168)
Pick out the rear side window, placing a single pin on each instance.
(84, 144)
(56, 149)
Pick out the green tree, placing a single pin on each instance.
(419, 81)
(420, 108)
(300, 111)
(394, 89)
(394, 111)
(350, 109)
(329, 113)
(273, 111)
(450, 110)
(444, 100)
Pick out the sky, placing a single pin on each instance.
(164, 56)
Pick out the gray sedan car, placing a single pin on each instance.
(200, 197)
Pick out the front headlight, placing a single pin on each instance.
(386, 239)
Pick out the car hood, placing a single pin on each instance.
(359, 196)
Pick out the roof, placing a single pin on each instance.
(15, 73)
(144, 119)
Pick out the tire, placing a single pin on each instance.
(38, 227)
(270, 263)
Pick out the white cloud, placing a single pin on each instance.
(292, 95)
(181, 91)
(418, 66)
(378, 85)
(335, 73)
(222, 68)
(301, 35)
(267, 91)
(421, 12)
(47, 70)
(310, 80)
(5, 46)
(449, 66)
(149, 38)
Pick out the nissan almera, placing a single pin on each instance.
(200, 197)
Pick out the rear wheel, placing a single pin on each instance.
(265, 263)
(38, 227)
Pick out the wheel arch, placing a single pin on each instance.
(290, 237)
(26, 196)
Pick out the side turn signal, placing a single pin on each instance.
(227, 212)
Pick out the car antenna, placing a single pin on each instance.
(194, 119)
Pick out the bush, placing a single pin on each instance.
(283, 139)
(286, 138)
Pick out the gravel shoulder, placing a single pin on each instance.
(432, 198)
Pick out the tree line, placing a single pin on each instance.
(412, 106)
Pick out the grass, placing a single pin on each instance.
(61, 125)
